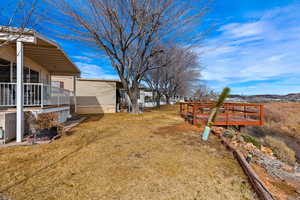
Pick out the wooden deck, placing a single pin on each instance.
(230, 114)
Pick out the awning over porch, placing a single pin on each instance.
(42, 50)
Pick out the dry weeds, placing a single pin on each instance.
(283, 118)
(282, 123)
(122, 156)
(281, 150)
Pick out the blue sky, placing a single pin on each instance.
(254, 48)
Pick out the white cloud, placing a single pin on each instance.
(275, 58)
(237, 30)
(95, 71)
(82, 58)
(257, 50)
(274, 87)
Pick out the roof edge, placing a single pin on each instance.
(27, 31)
(99, 80)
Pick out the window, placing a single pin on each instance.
(8, 74)
(4, 70)
(34, 76)
(14, 74)
(26, 75)
(29, 75)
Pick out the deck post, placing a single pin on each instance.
(42, 95)
(227, 117)
(194, 114)
(180, 108)
(20, 92)
(261, 116)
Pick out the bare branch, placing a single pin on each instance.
(16, 17)
(127, 31)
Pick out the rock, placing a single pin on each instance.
(297, 169)
(240, 138)
(218, 131)
(287, 168)
(250, 147)
(235, 143)
(267, 150)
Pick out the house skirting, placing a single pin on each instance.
(96, 109)
(8, 119)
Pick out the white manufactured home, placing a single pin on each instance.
(27, 62)
(93, 96)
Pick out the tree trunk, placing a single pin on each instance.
(133, 95)
(157, 101)
(167, 99)
(135, 107)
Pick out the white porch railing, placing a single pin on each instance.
(35, 94)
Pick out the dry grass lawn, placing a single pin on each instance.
(154, 155)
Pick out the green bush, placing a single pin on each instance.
(248, 138)
(281, 150)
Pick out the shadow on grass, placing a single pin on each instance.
(89, 118)
(66, 156)
(93, 117)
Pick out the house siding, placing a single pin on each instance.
(92, 96)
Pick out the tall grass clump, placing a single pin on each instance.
(249, 139)
(281, 150)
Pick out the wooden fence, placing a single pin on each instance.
(239, 114)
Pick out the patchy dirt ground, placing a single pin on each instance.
(154, 155)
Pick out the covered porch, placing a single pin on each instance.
(27, 62)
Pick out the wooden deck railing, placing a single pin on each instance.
(241, 114)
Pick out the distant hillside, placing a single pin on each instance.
(265, 97)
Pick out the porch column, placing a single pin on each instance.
(20, 95)
(74, 93)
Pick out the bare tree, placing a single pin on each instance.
(179, 77)
(16, 16)
(177, 71)
(154, 77)
(126, 31)
(203, 93)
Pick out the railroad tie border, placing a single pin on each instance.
(258, 186)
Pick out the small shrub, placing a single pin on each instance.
(248, 138)
(281, 150)
(200, 125)
(229, 133)
(47, 120)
